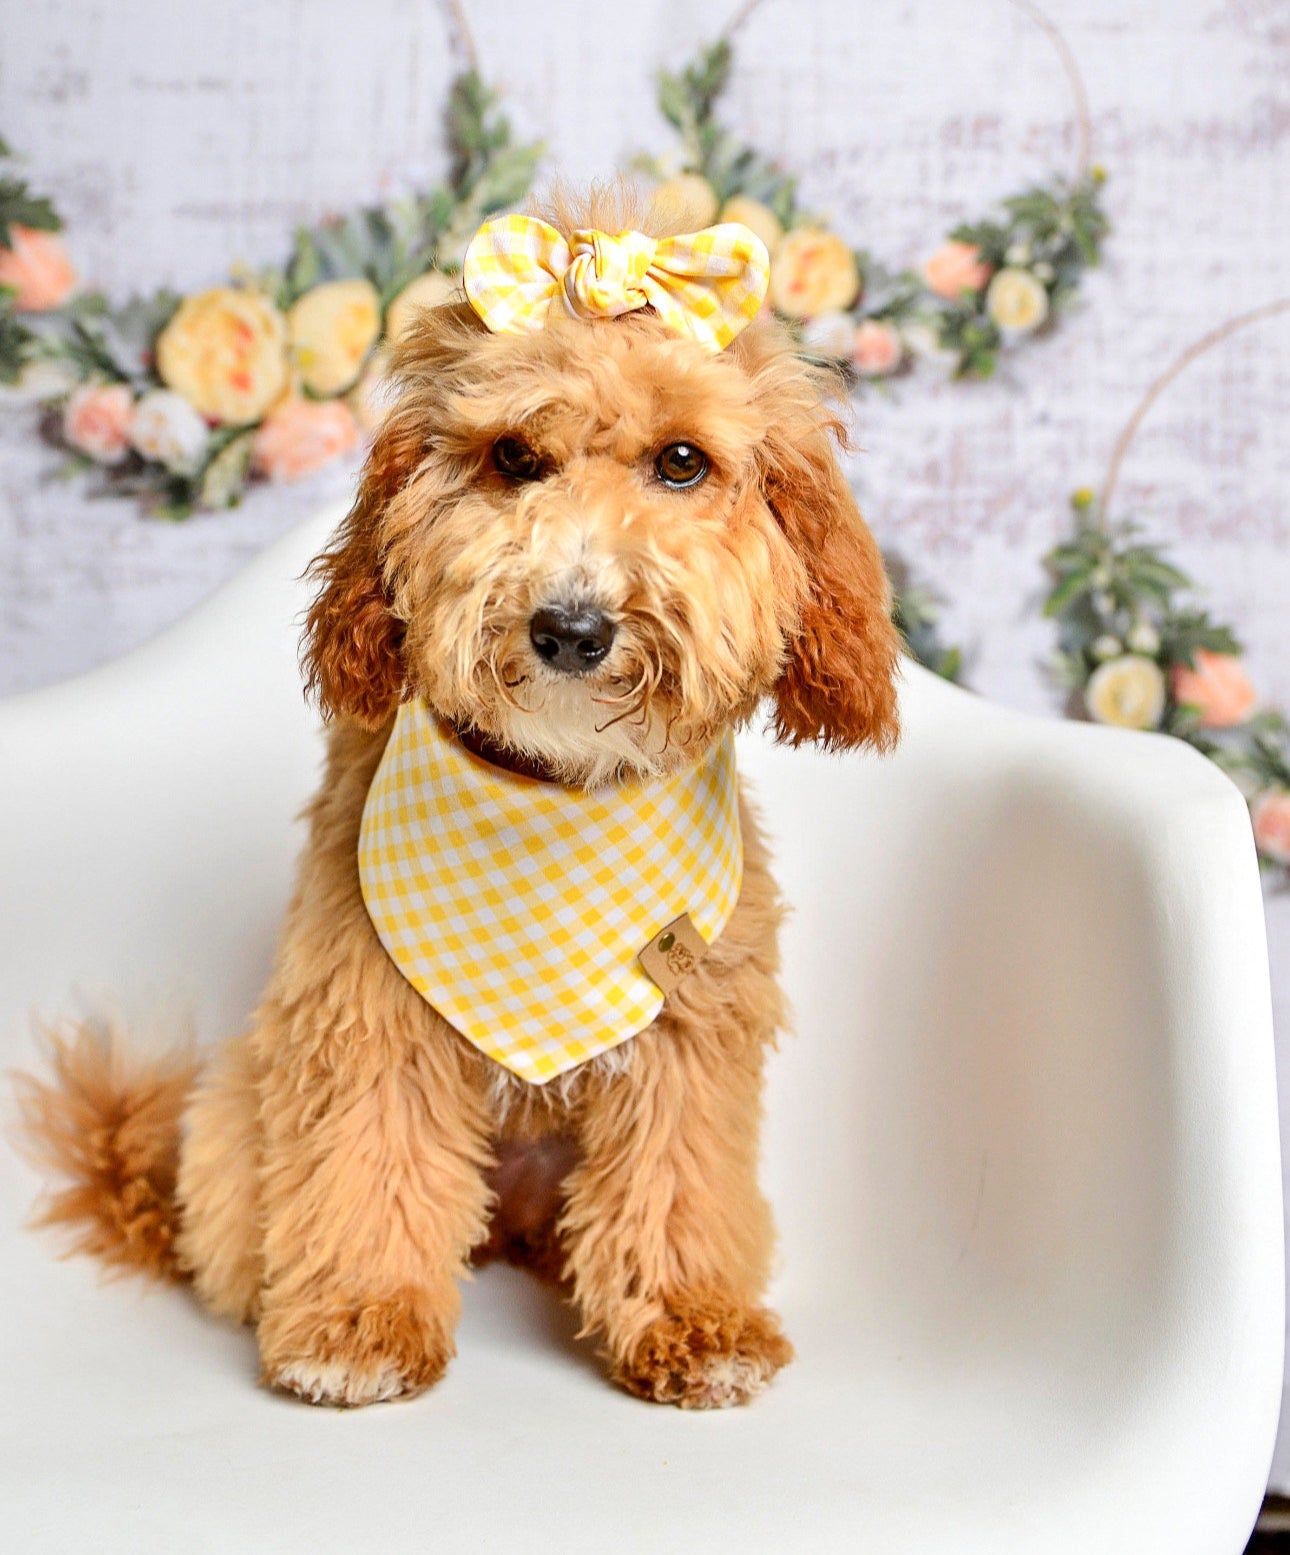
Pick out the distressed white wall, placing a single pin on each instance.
(177, 140)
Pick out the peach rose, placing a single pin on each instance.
(37, 267)
(1271, 815)
(876, 350)
(1218, 686)
(956, 268)
(96, 420)
(225, 351)
(813, 272)
(300, 436)
(332, 328)
(758, 218)
(685, 203)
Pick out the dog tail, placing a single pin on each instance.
(109, 1130)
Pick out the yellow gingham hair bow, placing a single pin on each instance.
(706, 285)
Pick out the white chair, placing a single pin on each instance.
(1023, 1151)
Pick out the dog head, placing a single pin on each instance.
(598, 545)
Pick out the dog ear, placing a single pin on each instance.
(838, 687)
(352, 652)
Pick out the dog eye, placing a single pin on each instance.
(681, 464)
(513, 457)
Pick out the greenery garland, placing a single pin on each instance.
(991, 285)
(181, 401)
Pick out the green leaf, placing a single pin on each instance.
(1067, 592)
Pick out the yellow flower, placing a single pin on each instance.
(685, 203)
(333, 327)
(427, 291)
(1016, 301)
(1128, 692)
(758, 218)
(225, 352)
(813, 272)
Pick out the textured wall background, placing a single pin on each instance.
(176, 144)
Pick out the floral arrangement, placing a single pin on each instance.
(182, 400)
(1133, 651)
(992, 284)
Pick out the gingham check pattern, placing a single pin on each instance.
(707, 285)
(518, 908)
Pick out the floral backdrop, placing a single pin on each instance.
(183, 158)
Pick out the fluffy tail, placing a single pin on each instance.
(110, 1131)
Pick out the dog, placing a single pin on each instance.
(583, 554)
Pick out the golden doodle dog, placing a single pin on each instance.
(602, 523)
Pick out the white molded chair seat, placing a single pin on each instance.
(1022, 1148)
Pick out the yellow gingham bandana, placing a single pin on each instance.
(707, 285)
(518, 908)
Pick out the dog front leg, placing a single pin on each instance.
(668, 1234)
(372, 1188)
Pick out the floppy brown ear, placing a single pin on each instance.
(352, 651)
(838, 687)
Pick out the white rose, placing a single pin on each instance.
(830, 334)
(1128, 692)
(1016, 301)
(167, 430)
(1143, 638)
(921, 340)
(40, 381)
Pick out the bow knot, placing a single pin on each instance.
(705, 285)
(606, 274)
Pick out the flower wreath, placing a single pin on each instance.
(1135, 650)
(991, 285)
(181, 401)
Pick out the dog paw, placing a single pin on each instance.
(705, 1355)
(362, 1352)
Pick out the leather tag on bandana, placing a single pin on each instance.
(673, 953)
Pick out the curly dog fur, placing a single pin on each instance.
(343, 1160)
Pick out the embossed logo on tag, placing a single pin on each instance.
(673, 953)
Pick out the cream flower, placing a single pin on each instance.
(831, 334)
(427, 291)
(956, 268)
(225, 352)
(1271, 815)
(758, 218)
(877, 349)
(96, 421)
(685, 203)
(1128, 692)
(1016, 301)
(300, 436)
(36, 266)
(813, 272)
(332, 328)
(167, 430)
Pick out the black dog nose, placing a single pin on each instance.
(572, 641)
